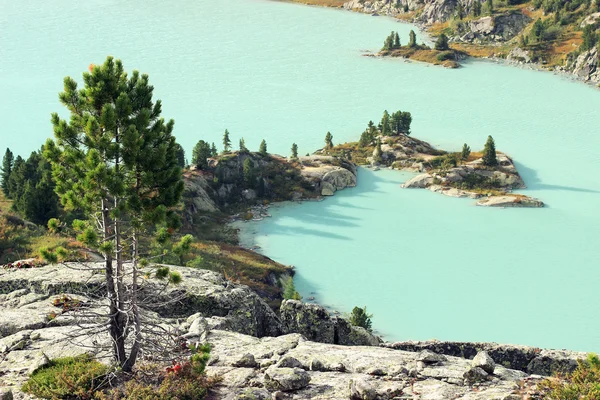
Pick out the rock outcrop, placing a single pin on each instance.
(531, 360)
(585, 66)
(498, 28)
(291, 367)
(460, 181)
(327, 174)
(315, 323)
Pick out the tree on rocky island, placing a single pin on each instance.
(377, 153)
(360, 317)
(201, 154)
(391, 42)
(489, 153)
(115, 160)
(465, 153)
(400, 122)
(7, 165)
(226, 142)
(441, 43)
(385, 124)
(412, 39)
(213, 150)
(294, 151)
(328, 141)
(396, 41)
(243, 148)
(263, 148)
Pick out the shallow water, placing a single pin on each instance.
(426, 265)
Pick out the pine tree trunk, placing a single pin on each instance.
(135, 349)
(115, 327)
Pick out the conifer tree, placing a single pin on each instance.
(7, 165)
(476, 8)
(465, 153)
(213, 150)
(441, 42)
(412, 39)
(248, 170)
(490, 6)
(200, 155)
(243, 148)
(180, 154)
(460, 11)
(263, 148)
(226, 142)
(116, 158)
(396, 41)
(328, 141)
(489, 153)
(385, 124)
(294, 151)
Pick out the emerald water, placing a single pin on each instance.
(426, 265)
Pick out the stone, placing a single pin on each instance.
(419, 181)
(510, 200)
(484, 361)
(289, 362)
(6, 394)
(327, 189)
(286, 379)
(246, 361)
(429, 357)
(475, 375)
(361, 389)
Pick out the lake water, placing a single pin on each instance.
(426, 265)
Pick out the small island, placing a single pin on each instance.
(488, 176)
(441, 54)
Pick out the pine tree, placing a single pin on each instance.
(248, 170)
(385, 124)
(263, 148)
(243, 148)
(477, 8)
(465, 153)
(490, 6)
(412, 39)
(328, 141)
(180, 155)
(360, 317)
(200, 155)
(388, 44)
(441, 42)
(294, 151)
(7, 165)
(589, 38)
(226, 142)
(213, 150)
(115, 157)
(522, 41)
(396, 41)
(489, 153)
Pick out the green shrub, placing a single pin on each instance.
(289, 290)
(445, 55)
(360, 317)
(67, 378)
(583, 383)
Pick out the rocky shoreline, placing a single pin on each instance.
(301, 352)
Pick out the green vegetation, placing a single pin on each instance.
(412, 41)
(263, 148)
(294, 151)
(132, 184)
(200, 155)
(243, 148)
(67, 378)
(465, 153)
(289, 290)
(7, 165)
(489, 153)
(226, 142)
(180, 154)
(392, 42)
(441, 43)
(583, 383)
(328, 141)
(360, 317)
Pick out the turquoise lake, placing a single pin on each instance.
(427, 266)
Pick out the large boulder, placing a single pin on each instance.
(419, 181)
(484, 361)
(286, 379)
(315, 323)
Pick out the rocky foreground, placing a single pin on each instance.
(301, 352)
